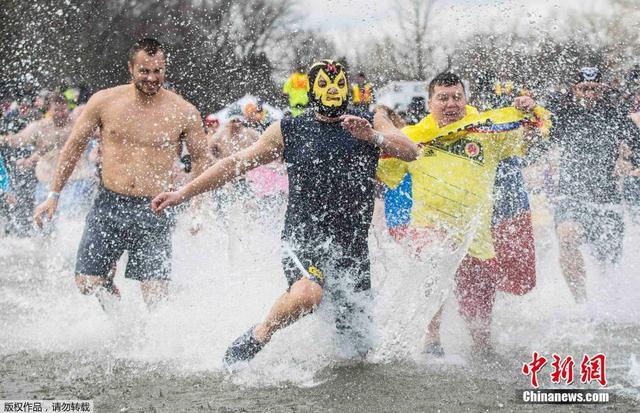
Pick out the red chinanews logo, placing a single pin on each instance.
(591, 369)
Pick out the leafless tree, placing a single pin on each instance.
(216, 47)
(413, 22)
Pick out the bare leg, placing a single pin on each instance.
(153, 292)
(481, 337)
(89, 284)
(432, 343)
(571, 260)
(301, 299)
(107, 294)
(476, 290)
(433, 329)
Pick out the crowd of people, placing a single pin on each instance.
(449, 173)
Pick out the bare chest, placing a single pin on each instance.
(54, 136)
(154, 128)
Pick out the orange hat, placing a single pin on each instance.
(249, 109)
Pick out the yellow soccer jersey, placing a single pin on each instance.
(453, 179)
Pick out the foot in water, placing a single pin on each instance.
(434, 349)
(112, 289)
(108, 296)
(243, 349)
(486, 354)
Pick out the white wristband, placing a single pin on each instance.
(53, 195)
(378, 139)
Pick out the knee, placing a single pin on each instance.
(307, 293)
(87, 285)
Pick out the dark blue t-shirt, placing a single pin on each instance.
(332, 179)
(589, 140)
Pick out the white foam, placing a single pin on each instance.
(217, 293)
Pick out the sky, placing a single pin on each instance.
(348, 21)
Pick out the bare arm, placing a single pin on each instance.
(196, 141)
(267, 149)
(26, 136)
(395, 143)
(75, 145)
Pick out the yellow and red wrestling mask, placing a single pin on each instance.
(329, 88)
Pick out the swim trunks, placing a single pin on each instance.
(602, 226)
(118, 223)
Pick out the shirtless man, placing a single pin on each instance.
(44, 134)
(237, 197)
(233, 137)
(141, 126)
(47, 136)
(32, 145)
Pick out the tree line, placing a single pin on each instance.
(220, 49)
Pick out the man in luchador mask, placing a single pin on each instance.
(331, 158)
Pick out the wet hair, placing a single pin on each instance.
(445, 79)
(149, 45)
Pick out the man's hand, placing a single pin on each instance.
(48, 207)
(360, 128)
(524, 103)
(165, 200)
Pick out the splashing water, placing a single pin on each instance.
(58, 343)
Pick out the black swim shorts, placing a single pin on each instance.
(602, 225)
(319, 260)
(118, 223)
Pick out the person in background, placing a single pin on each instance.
(591, 129)
(630, 166)
(362, 92)
(296, 88)
(256, 116)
